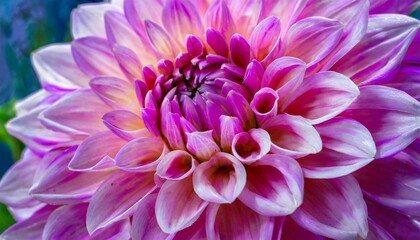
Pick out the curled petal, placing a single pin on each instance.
(240, 107)
(172, 216)
(103, 211)
(292, 136)
(391, 116)
(236, 221)
(140, 154)
(250, 146)
(319, 212)
(377, 56)
(347, 146)
(56, 69)
(202, 144)
(265, 104)
(322, 96)
(176, 165)
(91, 154)
(229, 126)
(219, 180)
(274, 186)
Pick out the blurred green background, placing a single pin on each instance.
(26, 25)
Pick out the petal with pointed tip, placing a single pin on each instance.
(176, 165)
(202, 144)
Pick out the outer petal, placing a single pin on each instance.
(392, 117)
(292, 230)
(145, 225)
(15, 184)
(236, 221)
(285, 10)
(76, 107)
(322, 96)
(96, 152)
(376, 232)
(219, 180)
(56, 69)
(407, 80)
(172, 216)
(347, 146)
(321, 32)
(218, 17)
(58, 185)
(274, 186)
(393, 182)
(117, 198)
(377, 56)
(393, 6)
(352, 14)
(247, 13)
(126, 124)
(30, 228)
(88, 20)
(136, 13)
(319, 212)
(292, 136)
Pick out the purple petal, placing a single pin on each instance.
(292, 230)
(377, 56)
(236, 221)
(216, 41)
(125, 124)
(321, 32)
(91, 154)
(111, 203)
(202, 144)
(88, 20)
(347, 146)
(94, 57)
(241, 109)
(265, 39)
(219, 180)
(240, 51)
(393, 6)
(377, 232)
(250, 146)
(15, 184)
(285, 10)
(176, 165)
(218, 17)
(253, 76)
(172, 216)
(390, 115)
(265, 104)
(58, 185)
(321, 97)
(274, 186)
(76, 107)
(292, 136)
(246, 13)
(319, 212)
(141, 154)
(137, 13)
(160, 40)
(56, 69)
(129, 62)
(407, 80)
(229, 126)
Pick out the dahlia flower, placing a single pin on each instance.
(257, 119)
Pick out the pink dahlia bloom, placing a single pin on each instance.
(259, 119)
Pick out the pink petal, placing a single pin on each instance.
(115, 92)
(247, 13)
(74, 108)
(172, 216)
(217, 42)
(250, 146)
(202, 144)
(145, 225)
(352, 14)
(292, 136)
(390, 115)
(377, 56)
(319, 212)
(285, 10)
(240, 51)
(125, 124)
(176, 165)
(88, 20)
(58, 185)
(136, 13)
(347, 146)
(218, 17)
(129, 62)
(141, 154)
(274, 186)
(117, 198)
(241, 109)
(407, 80)
(160, 40)
(56, 69)
(321, 97)
(253, 76)
(229, 126)
(265, 39)
(393, 182)
(219, 180)
(195, 231)
(94, 57)
(313, 31)
(30, 228)
(15, 184)
(236, 221)
(91, 155)
(180, 19)
(265, 104)
(398, 225)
